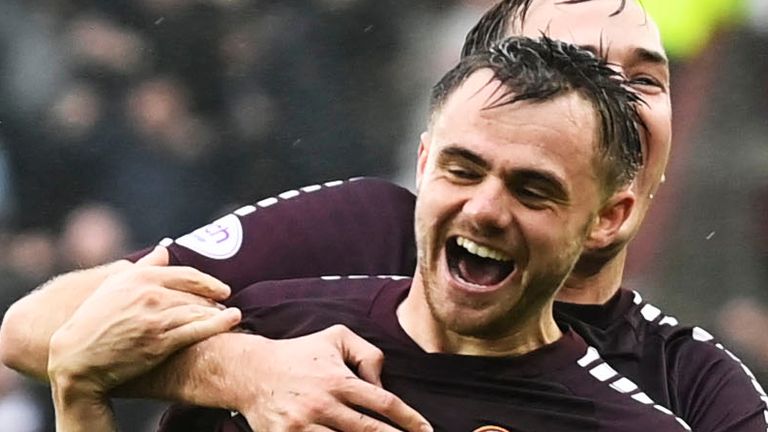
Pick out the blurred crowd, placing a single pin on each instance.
(125, 121)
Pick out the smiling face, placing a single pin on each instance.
(508, 197)
(630, 41)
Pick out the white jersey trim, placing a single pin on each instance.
(222, 238)
(603, 372)
(360, 277)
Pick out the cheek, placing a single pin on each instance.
(542, 240)
(435, 204)
(552, 238)
(656, 144)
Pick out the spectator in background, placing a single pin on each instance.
(93, 234)
(32, 257)
(282, 91)
(743, 320)
(161, 177)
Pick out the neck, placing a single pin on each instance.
(530, 333)
(594, 281)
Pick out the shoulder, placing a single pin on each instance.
(619, 403)
(338, 200)
(718, 391)
(709, 385)
(362, 225)
(354, 190)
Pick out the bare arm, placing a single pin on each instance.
(29, 324)
(116, 336)
(318, 219)
(110, 339)
(127, 317)
(283, 384)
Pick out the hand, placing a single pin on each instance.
(132, 322)
(306, 385)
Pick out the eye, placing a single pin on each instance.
(462, 173)
(532, 197)
(531, 193)
(646, 84)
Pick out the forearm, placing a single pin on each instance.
(303, 383)
(209, 373)
(28, 325)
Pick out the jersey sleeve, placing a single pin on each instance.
(356, 227)
(716, 392)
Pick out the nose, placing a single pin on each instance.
(488, 206)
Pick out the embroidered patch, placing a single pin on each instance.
(220, 239)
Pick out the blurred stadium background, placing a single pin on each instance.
(122, 121)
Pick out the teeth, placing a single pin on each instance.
(481, 250)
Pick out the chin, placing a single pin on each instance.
(485, 324)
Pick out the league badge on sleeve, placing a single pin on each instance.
(221, 239)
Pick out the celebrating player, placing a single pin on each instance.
(364, 227)
(527, 161)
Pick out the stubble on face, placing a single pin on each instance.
(515, 139)
(493, 319)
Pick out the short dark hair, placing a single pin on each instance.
(538, 70)
(493, 25)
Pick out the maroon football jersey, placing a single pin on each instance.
(365, 227)
(563, 386)
(359, 226)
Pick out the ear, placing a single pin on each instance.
(609, 220)
(423, 155)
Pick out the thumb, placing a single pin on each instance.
(366, 358)
(157, 257)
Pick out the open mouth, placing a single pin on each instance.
(476, 264)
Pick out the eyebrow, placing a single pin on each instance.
(651, 56)
(643, 54)
(532, 174)
(463, 153)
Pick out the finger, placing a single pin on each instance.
(196, 331)
(347, 419)
(186, 313)
(158, 256)
(155, 299)
(178, 298)
(188, 279)
(378, 400)
(365, 357)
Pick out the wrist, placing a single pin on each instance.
(253, 354)
(79, 409)
(68, 389)
(69, 384)
(233, 366)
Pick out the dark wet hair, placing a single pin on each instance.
(539, 70)
(493, 26)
